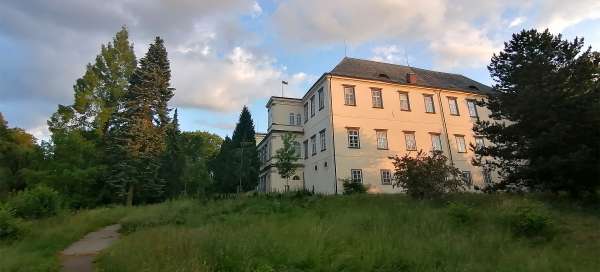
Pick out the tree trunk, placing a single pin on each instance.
(130, 196)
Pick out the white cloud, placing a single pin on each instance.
(558, 15)
(516, 22)
(256, 10)
(390, 54)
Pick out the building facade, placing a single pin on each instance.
(357, 116)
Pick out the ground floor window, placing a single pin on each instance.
(466, 177)
(356, 175)
(386, 177)
(487, 176)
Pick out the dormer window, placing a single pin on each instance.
(383, 76)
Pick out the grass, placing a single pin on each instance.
(346, 233)
(38, 249)
(358, 233)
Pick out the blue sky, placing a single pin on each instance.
(229, 53)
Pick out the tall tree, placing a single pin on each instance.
(245, 154)
(173, 161)
(138, 131)
(286, 158)
(223, 169)
(545, 128)
(99, 91)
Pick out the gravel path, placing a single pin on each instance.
(80, 255)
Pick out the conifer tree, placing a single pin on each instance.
(244, 154)
(173, 161)
(138, 131)
(545, 115)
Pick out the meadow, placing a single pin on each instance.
(313, 233)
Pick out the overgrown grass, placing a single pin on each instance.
(353, 233)
(43, 239)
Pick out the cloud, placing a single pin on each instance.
(516, 22)
(558, 15)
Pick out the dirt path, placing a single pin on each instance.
(80, 255)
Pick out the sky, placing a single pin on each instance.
(229, 53)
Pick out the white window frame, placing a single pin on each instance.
(312, 106)
(381, 136)
(321, 98)
(353, 134)
(305, 149)
(292, 118)
(436, 142)
(453, 106)
(386, 176)
(349, 96)
(306, 112)
(377, 98)
(322, 140)
(313, 144)
(479, 142)
(461, 144)
(472, 106)
(407, 140)
(356, 175)
(466, 177)
(298, 119)
(428, 100)
(404, 94)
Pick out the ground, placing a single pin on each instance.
(311, 233)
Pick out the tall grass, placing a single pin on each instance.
(351, 233)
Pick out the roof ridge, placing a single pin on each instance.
(398, 65)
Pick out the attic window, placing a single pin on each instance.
(384, 76)
(473, 87)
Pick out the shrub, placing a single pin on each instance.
(426, 176)
(38, 202)
(10, 228)
(460, 213)
(351, 187)
(530, 220)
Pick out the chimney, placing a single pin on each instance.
(411, 78)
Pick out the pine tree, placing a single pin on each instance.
(244, 153)
(545, 124)
(174, 161)
(138, 131)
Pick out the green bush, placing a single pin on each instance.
(38, 202)
(351, 187)
(10, 228)
(460, 213)
(530, 220)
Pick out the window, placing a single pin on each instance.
(297, 149)
(376, 98)
(305, 112)
(411, 142)
(269, 117)
(479, 142)
(436, 142)
(353, 138)
(321, 99)
(349, 98)
(322, 140)
(386, 177)
(382, 142)
(356, 175)
(487, 176)
(313, 144)
(466, 177)
(429, 106)
(453, 105)
(298, 119)
(312, 106)
(472, 109)
(460, 143)
(305, 149)
(292, 119)
(404, 102)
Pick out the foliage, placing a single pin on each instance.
(287, 157)
(426, 176)
(10, 227)
(544, 114)
(137, 133)
(352, 233)
(18, 153)
(237, 161)
(38, 202)
(351, 187)
(530, 220)
(460, 213)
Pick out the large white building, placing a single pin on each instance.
(359, 114)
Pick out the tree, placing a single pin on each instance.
(173, 161)
(222, 168)
(138, 131)
(426, 176)
(287, 157)
(545, 119)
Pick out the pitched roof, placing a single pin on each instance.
(393, 73)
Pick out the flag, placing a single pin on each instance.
(284, 82)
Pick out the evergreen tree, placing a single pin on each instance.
(244, 153)
(545, 128)
(286, 158)
(222, 169)
(138, 131)
(173, 162)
